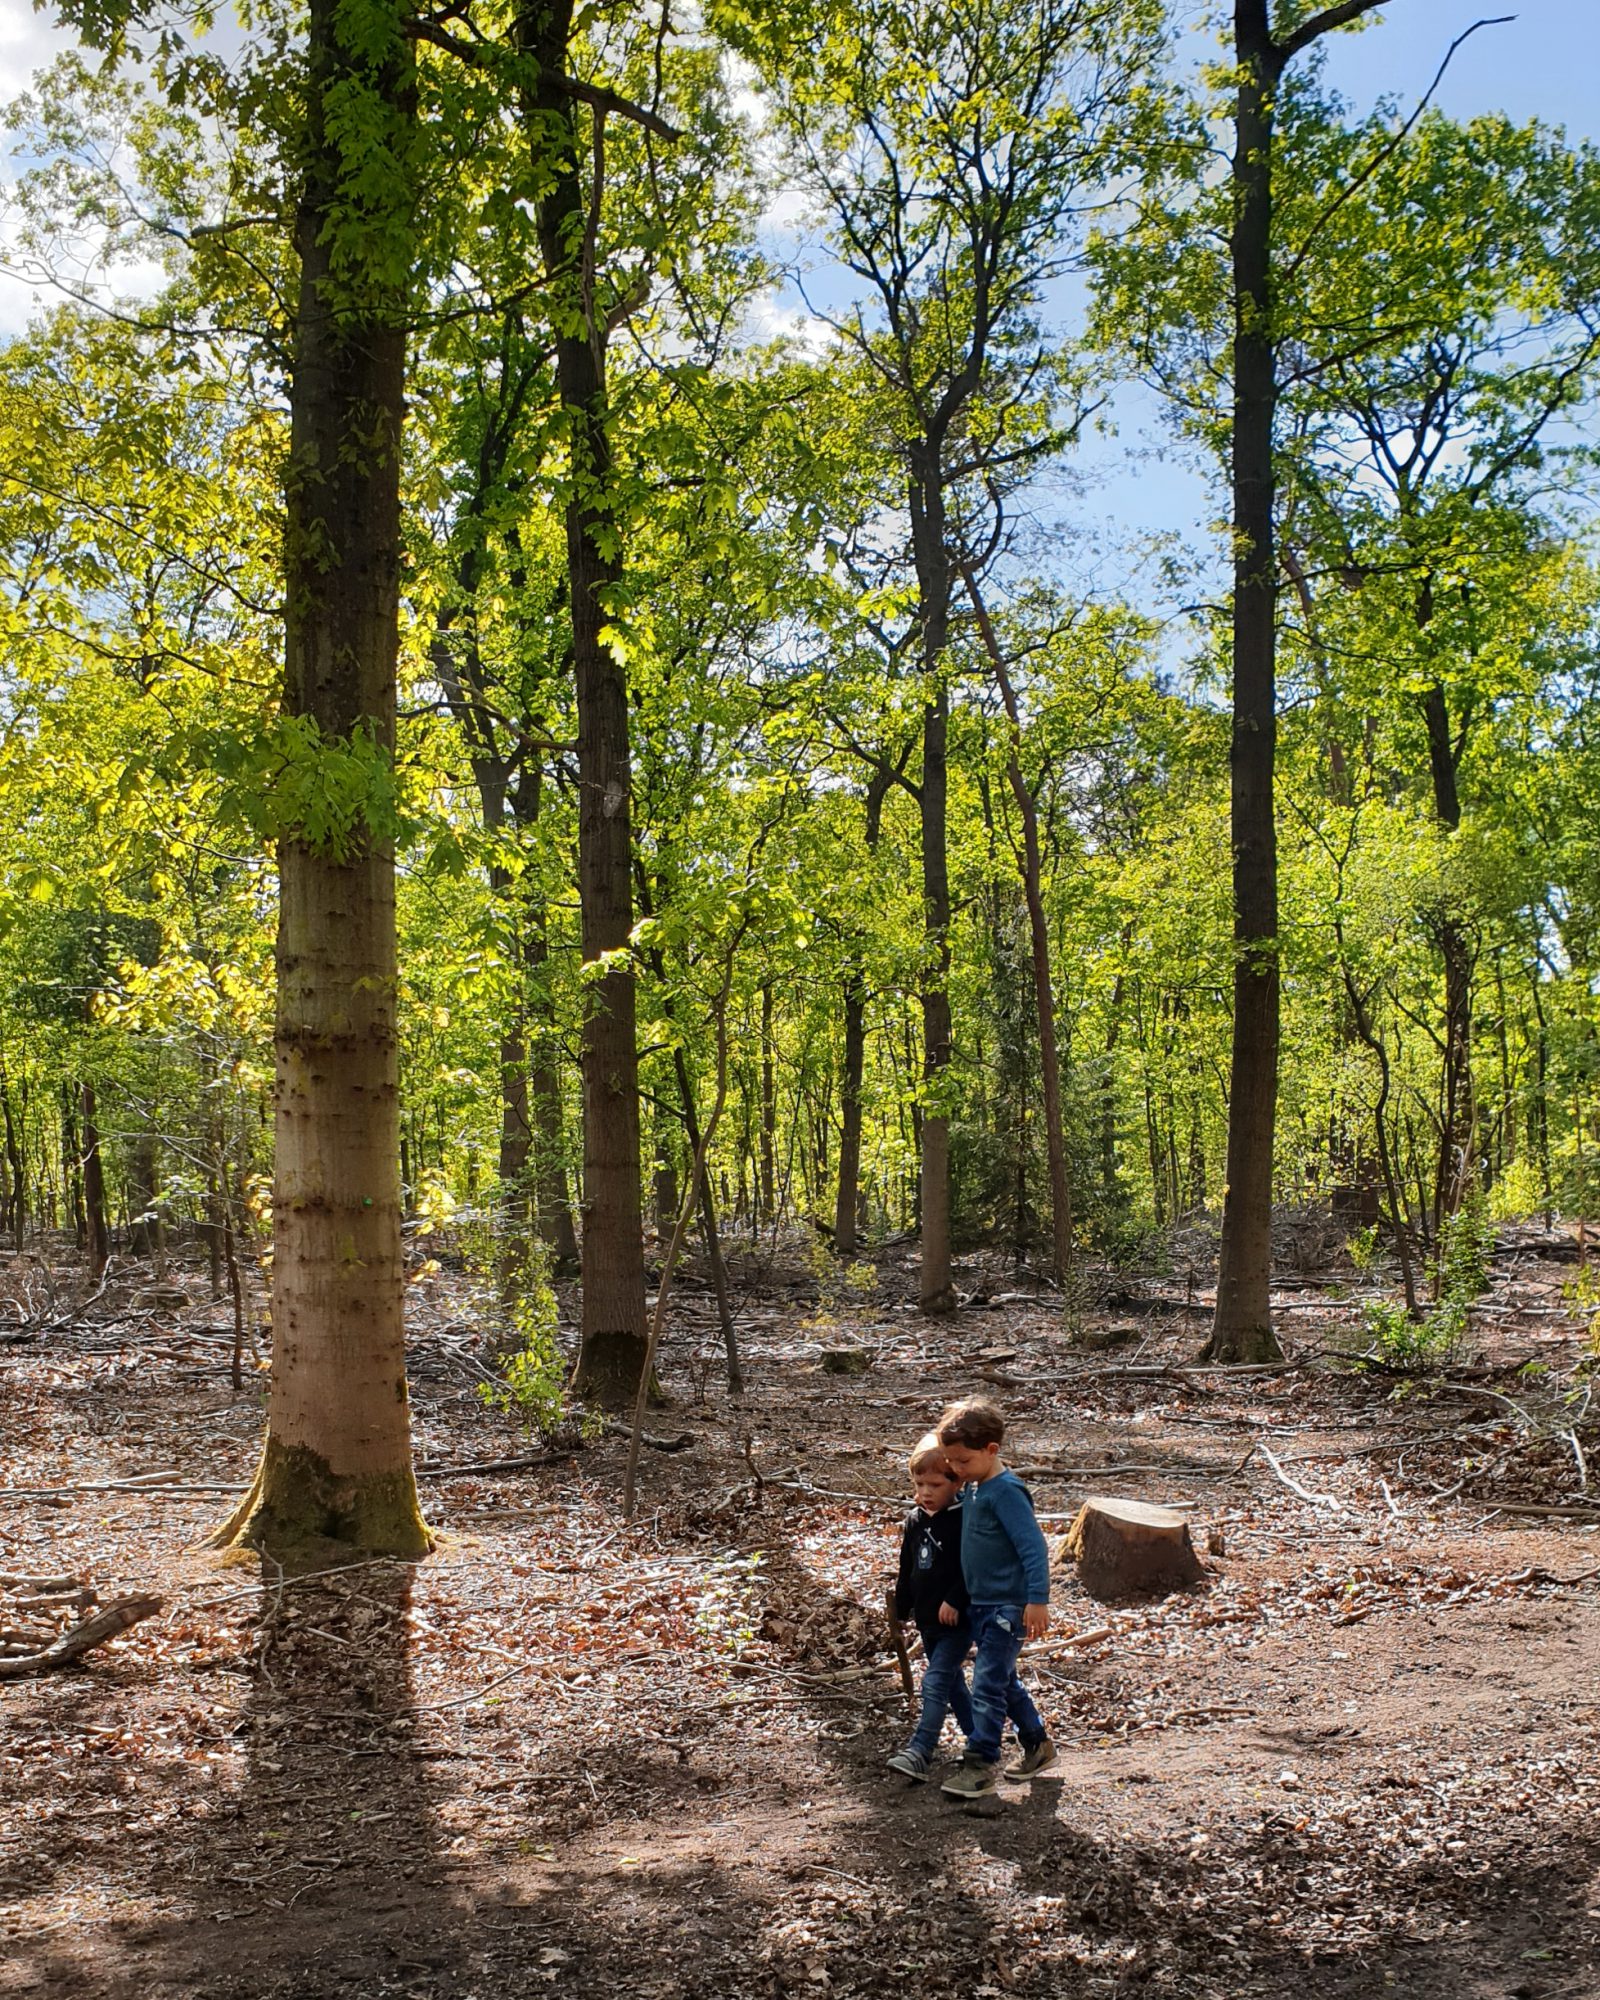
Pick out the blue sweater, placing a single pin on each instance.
(1003, 1556)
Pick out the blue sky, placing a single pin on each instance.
(1543, 64)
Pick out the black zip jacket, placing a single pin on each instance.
(930, 1568)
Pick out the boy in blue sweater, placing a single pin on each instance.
(1006, 1567)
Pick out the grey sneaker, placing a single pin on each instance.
(972, 1780)
(910, 1764)
(1037, 1757)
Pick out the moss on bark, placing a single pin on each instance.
(298, 1510)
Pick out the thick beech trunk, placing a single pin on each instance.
(611, 1356)
(936, 1292)
(1242, 1329)
(337, 1461)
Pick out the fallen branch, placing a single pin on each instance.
(119, 1616)
(1537, 1575)
(1294, 1486)
(897, 1639)
(488, 1465)
(1492, 1396)
(681, 1443)
(1189, 1468)
(133, 1486)
(1092, 1637)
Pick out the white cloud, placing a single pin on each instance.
(28, 41)
(770, 317)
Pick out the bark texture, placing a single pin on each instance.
(1031, 867)
(337, 1463)
(936, 1291)
(611, 1359)
(1242, 1329)
(847, 1201)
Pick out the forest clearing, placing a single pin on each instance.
(572, 1754)
(744, 747)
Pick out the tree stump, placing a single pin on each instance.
(1124, 1547)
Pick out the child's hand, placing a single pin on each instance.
(949, 1615)
(1035, 1620)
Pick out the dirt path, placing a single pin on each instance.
(572, 1755)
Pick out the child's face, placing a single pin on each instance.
(934, 1490)
(971, 1461)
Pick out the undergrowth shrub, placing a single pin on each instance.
(1460, 1275)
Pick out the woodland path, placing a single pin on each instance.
(573, 1756)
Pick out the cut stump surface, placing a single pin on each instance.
(1125, 1547)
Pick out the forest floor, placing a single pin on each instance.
(569, 1754)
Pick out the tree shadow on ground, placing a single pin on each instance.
(316, 1871)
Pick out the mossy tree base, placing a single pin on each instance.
(1252, 1344)
(298, 1511)
(609, 1368)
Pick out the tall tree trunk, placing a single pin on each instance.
(1032, 872)
(769, 1110)
(708, 1218)
(72, 1167)
(611, 1356)
(337, 1459)
(1242, 1329)
(1110, 1178)
(16, 1174)
(847, 1201)
(1539, 1137)
(144, 1229)
(1458, 1124)
(96, 1231)
(936, 1292)
(847, 1195)
(552, 1203)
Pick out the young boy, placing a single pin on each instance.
(1006, 1567)
(929, 1588)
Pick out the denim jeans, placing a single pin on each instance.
(997, 1694)
(944, 1685)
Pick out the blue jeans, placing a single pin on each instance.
(944, 1685)
(996, 1692)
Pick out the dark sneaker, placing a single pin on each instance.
(1038, 1757)
(973, 1780)
(910, 1764)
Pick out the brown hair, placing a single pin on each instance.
(973, 1424)
(929, 1456)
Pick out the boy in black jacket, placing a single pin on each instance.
(929, 1588)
